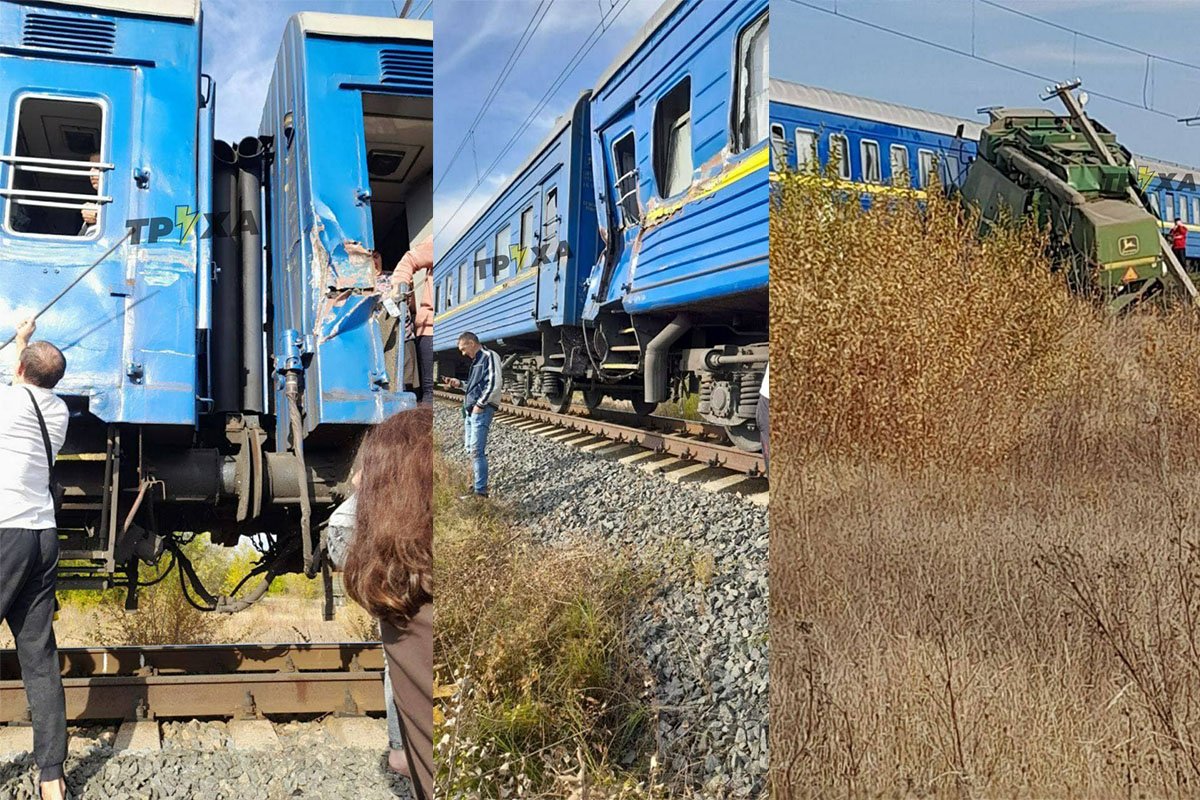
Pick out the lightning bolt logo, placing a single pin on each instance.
(517, 254)
(185, 219)
(1144, 178)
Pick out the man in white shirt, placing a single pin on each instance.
(33, 420)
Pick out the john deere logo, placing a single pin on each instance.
(1128, 245)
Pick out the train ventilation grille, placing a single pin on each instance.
(408, 68)
(70, 33)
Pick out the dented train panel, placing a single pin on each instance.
(323, 282)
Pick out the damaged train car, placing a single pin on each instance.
(217, 303)
(657, 181)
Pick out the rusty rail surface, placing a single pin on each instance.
(188, 681)
(681, 438)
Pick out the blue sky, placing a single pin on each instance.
(472, 41)
(240, 43)
(814, 47)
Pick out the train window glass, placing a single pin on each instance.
(924, 167)
(871, 170)
(625, 163)
(462, 282)
(1184, 211)
(481, 264)
(778, 147)
(898, 156)
(750, 94)
(56, 196)
(1170, 214)
(448, 291)
(502, 264)
(438, 297)
(1196, 210)
(526, 238)
(1155, 205)
(839, 153)
(806, 149)
(672, 146)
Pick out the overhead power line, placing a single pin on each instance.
(983, 59)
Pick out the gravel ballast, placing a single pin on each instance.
(703, 632)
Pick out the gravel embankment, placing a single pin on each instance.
(195, 762)
(704, 631)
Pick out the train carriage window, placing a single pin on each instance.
(839, 153)
(526, 239)
(924, 167)
(1184, 210)
(806, 149)
(672, 146)
(625, 163)
(462, 283)
(750, 106)
(1155, 205)
(1170, 214)
(550, 223)
(502, 263)
(898, 156)
(481, 265)
(869, 151)
(778, 147)
(53, 187)
(438, 296)
(1196, 210)
(448, 291)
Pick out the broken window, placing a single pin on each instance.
(870, 161)
(898, 154)
(673, 140)
(924, 167)
(806, 149)
(750, 103)
(839, 153)
(778, 146)
(625, 163)
(56, 175)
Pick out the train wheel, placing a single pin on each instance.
(559, 403)
(745, 437)
(641, 407)
(593, 396)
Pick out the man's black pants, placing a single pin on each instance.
(1181, 254)
(27, 581)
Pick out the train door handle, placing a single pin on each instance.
(362, 197)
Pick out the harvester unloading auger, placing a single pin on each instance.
(1072, 174)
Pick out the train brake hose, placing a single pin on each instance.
(292, 391)
(71, 285)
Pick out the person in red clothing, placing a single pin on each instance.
(415, 271)
(1178, 238)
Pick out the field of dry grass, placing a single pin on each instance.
(984, 549)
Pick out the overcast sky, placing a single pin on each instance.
(473, 40)
(818, 48)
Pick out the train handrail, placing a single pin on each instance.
(58, 162)
(94, 199)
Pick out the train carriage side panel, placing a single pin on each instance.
(75, 79)
(667, 136)
(350, 112)
(544, 222)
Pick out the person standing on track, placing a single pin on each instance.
(420, 301)
(33, 427)
(481, 401)
(1179, 236)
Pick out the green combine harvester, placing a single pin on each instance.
(1072, 175)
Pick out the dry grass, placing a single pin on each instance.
(540, 693)
(985, 580)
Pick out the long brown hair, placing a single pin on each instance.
(389, 563)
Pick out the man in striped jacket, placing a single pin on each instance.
(480, 403)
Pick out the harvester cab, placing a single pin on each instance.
(1072, 176)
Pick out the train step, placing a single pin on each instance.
(611, 365)
(625, 348)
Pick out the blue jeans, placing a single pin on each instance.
(477, 426)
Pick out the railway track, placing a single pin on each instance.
(679, 449)
(188, 681)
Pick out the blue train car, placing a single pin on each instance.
(516, 272)
(673, 295)
(873, 145)
(224, 356)
(1174, 192)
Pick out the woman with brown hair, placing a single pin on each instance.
(389, 570)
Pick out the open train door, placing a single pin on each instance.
(619, 157)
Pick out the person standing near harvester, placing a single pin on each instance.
(34, 424)
(481, 400)
(1178, 237)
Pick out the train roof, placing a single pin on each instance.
(172, 9)
(364, 27)
(560, 125)
(656, 19)
(1182, 172)
(854, 106)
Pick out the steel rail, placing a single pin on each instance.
(188, 681)
(685, 444)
